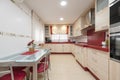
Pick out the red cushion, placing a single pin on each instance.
(18, 75)
(43, 60)
(40, 68)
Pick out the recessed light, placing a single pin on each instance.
(63, 3)
(61, 19)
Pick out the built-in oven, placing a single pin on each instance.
(115, 46)
(115, 30)
(115, 13)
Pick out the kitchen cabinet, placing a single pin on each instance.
(77, 28)
(59, 48)
(85, 56)
(102, 15)
(62, 48)
(47, 31)
(77, 51)
(98, 63)
(80, 55)
(70, 31)
(67, 48)
(73, 49)
(114, 70)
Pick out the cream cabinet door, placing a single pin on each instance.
(114, 70)
(76, 52)
(77, 28)
(66, 48)
(73, 49)
(84, 56)
(102, 20)
(58, 47)
(80, 54)
(102, 63)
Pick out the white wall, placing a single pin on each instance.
(38, 29)
(15, 27)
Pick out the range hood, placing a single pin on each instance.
(90, 18)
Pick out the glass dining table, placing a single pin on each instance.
(27, 59)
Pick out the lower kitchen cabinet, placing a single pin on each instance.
(98, 63)
(59, 48)
(80, 55)
(67, 48)
(73, 49)
(114, 70)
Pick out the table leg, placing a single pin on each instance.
(35, 72)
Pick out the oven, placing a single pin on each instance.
(115, 46)
(115, 30)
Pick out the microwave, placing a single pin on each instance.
(115, 13)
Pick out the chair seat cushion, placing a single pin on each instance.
(43, 60)
(40, 68)
(18, 75)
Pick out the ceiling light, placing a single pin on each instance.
(61, 19)
(63, 3)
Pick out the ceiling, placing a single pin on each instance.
(50, 10)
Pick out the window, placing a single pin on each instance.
(59, 38)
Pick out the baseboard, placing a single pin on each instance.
(93, 74)
(73, 55)
(87, 69)
(61, 53)
(80, 65)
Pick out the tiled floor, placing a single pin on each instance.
(64, 67)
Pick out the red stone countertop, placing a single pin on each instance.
(60, 43)
(106, 49)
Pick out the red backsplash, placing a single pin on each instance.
(95, 38)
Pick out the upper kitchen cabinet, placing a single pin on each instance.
(77, 28)
(70, 31)
(47, 31)
(101, 15)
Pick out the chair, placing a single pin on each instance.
(47, 60)
(42, 67)
(8, 73)
(18, 68)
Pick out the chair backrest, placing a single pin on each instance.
(6, 67)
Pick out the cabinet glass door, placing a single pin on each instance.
(101, 4)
